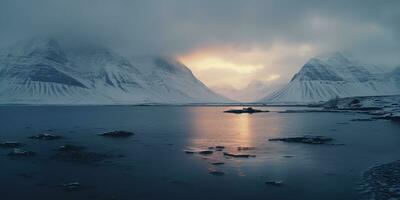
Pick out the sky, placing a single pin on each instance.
(226, 43)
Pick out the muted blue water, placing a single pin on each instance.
(154, 165)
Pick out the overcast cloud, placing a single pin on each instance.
(367, 29)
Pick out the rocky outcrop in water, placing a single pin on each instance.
(10, 144)
(17, 152)
(74, 153)
(116, 134)
(249, 110)
(46, 136)
(238, 155)
(305, 140)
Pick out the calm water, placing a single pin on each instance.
(154, 165)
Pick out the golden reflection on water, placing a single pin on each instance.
(211, 127)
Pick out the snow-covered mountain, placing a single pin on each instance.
(40, 71)
(335, 75)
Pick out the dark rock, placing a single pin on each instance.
(217, 163)
(305, 140)
(72, 186)
(73, 153)
(69, 148)
(17, 152)
(202, 152)
(274, 183)
(362, 120)
(249, 110)
(354, 101)
(217, 173)
(245, 148)
(206, 152)
(312, 111)
(383, 181)
(219, 148)
(389, 117)
(189, 151)
(117, 134)
(288, 156)
(238, 155)
(10, 144)
(45, 136)
(363, 108)
(339, 144)
(395, 118)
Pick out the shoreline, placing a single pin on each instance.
(382, 181)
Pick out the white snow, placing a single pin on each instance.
(381, 104)
(42, 72)
(325, 78)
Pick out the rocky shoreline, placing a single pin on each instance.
(382, 181)
(380, 107)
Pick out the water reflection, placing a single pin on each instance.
(211, 127)
(313, 172)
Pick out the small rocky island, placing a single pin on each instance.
(45, 136)
(305, 139)
(10, 144)
(73, 153)
(116, 134)
(249, 110)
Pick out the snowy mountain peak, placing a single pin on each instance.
(323, 67)
(168, 65)
(164, 64)
(36, 61)
(335, 75)
(338, 67)
(41, 71)
(36, 46)
(336, 58)
(316, 69)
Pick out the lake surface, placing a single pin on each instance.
(152, 164)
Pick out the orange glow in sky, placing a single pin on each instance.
(237, 67)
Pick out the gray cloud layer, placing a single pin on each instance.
(368, 29)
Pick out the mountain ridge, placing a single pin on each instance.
(335, 75)
(43, 72)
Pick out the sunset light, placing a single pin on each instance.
(237, 66)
